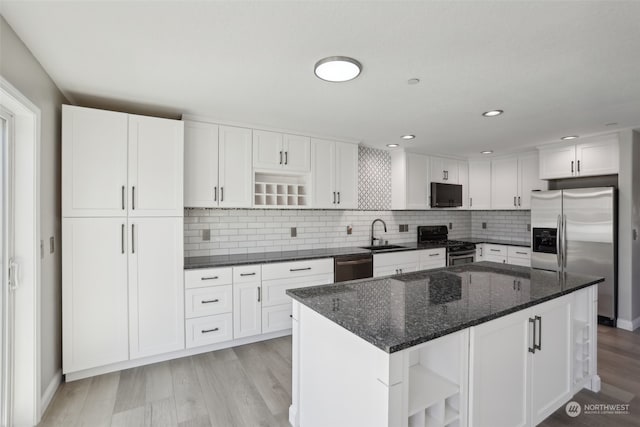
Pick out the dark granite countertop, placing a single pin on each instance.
(271, 257)
(478, 240)
(397, 312)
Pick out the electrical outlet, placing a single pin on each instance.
(528, 227)
(403, 228)
(349, 229)
(484, 225)
(450, 226)
(294, 232)
(206, 234)
(51, 245)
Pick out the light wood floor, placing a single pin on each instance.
(251, 386)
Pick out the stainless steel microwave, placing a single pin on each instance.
(446, 195)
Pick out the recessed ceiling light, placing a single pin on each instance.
(492, 113)
(392, 145)
(337, 69)
(413, 81)
(487, 152)
(408, 136)
(565, 138)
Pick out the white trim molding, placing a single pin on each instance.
(27, 119)
(628, 325)
(50, 392)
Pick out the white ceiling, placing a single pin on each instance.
(556, 68)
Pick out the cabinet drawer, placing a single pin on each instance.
(495, 250)
(525, 262)
(274, 291)
(519, 252)
(395, 258)
(208, 301)
(285, 270)
(432, 258)
(209, 330)
(247, 274)
(276, 318)
(494, 258)
(204, 277)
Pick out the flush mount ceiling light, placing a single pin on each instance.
(337, 69)
(487, 152)
(492, 113)
(392, 145)
(566, 138)
(408, 136)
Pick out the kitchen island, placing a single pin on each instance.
(480, 344)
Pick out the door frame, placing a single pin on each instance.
(26, 174)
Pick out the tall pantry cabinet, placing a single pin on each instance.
(122, 237)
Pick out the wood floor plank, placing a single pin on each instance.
(129, 418)
(67, 404)
(158, 381)
(100, 401)
(131, 390)
(161, 413)
(190, 404)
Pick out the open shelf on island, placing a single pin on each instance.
(427, 388)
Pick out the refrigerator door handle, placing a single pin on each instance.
(558, 242)
(564, 240)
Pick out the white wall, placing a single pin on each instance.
(20, 68)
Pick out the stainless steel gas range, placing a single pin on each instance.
(458, 252)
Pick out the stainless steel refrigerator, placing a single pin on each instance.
(576, 231)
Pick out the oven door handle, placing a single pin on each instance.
(355, 262)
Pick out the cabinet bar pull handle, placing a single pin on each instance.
(519, 204)
(571, 166)
(334, 197)
(533, 348)
(206, 331)
(209, 301)
(494, 250)
(133, 197)
(281, 157)
(122, 237)
(578, 165)
(248, 274)
(338, 197)
(521, 253)
(514, 284)
(286, 157)
(300, 269)
(434, 254)
(133, 238)
(215, 193)
(259, 294)
(222, 194)
(470, 201)
(396, 271)
(539, 345)
(209, 278)
(123, 197)
(514, 201)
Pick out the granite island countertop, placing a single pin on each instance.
(397, 312)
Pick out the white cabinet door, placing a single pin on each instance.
(247, 313)
(480, 185)
(528, 181)
(267, 150)
(557, 162)
(600, 157)
(444, 170)
(235, 175)
(504, 183)
(94, 293)
(323, 174)
(551, 362)
(499, 371)
(417, 181)
(463, 179)
(200, 165)
(297, 151)
(156, 291)
(94, 162)
(156, 150)
(346, 175)
(276, 318)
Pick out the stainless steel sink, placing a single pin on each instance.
(379, 248)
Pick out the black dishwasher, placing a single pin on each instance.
(352, 267)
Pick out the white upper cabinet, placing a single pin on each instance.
(235, 180)
(217, 166)
(94, 162)
(334, 174)
(155, 166)
(512, 181)
(479, 184)
(200, 164)
(463, 179)
(593, 156)
(409, 181)
(276, 151)
(444, 170)
(117, 164)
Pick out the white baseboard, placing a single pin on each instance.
(49, 392)
(628, 325)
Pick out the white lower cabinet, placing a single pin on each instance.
(514, 255)
(276, 318)
(156, 295)
(520, 366)
(247, 309)
(432, 258)
(209, 330)
(395, 263)
(208, 301)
